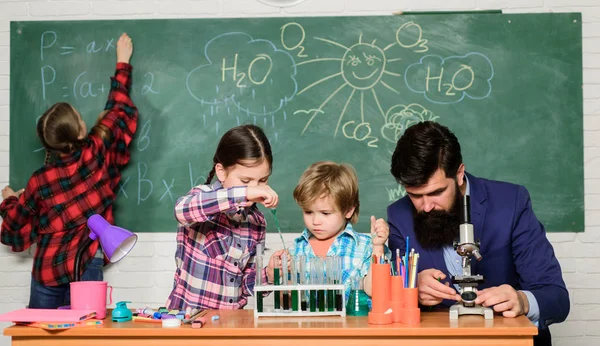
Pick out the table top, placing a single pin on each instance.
(243, 323)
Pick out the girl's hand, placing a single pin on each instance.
(262, 194)
(275, 262)
(379, 233)
(7, 191)
(124, 48)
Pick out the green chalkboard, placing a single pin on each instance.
(337, 88)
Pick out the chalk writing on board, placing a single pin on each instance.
(363, 66)
(304, 111)
(285, 31)
(84, 88)
(48, 40)
(401, 117)
(48, 76)
(236, 62)
(148, 84)
(451, 79)
(145, 187)
(395, 193)
(143, 140)
(81, 87)
(410, 35)
(94, 47)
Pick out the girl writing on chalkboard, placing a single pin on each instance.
(79, 178)
(220, 225)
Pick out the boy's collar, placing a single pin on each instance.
(349, 230)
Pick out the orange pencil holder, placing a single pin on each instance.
(397, 302)
(411, 314)
(381, 298)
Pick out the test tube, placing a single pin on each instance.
(258, 279)
(286, 294)
(313, 281)
(321, 281)
(294, 282)
(329, 271)
(339, 302)
(301, 268)
(276, 281)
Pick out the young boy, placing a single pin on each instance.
(328, 195)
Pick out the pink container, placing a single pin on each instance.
(90, 295)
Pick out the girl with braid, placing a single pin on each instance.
(220, 225)
(79, 178)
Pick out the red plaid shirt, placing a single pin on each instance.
(59, 198)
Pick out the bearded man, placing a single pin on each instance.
(522, 275)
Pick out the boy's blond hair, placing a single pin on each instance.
(327, 178)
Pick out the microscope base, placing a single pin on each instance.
(458, 309)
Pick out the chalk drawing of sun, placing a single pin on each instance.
(362, 68)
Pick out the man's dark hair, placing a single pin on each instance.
(422, 149)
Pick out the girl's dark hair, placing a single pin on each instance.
(59, 129)
(423, 149)
(241, 143)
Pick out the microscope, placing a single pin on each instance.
(468, 247)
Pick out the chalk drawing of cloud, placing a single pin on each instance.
(248, 74)
(450, 80)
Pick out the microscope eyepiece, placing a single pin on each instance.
(465, 215)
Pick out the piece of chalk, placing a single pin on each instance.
(215, 317)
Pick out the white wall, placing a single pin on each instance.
(145, 276)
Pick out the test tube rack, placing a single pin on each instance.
(275, 289)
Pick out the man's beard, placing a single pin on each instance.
(438, 227)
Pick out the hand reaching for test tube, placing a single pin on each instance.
(275, 262)
(379, 233)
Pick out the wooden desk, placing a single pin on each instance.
(239, 328)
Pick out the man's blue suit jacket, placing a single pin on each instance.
(514, 246)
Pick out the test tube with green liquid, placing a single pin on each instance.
(329, 271)
(276, 282)
(258, 280)
(285, 294)
(321, 281)
(339, 301)
(303, 280)
(294, 282)
(314, 279)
